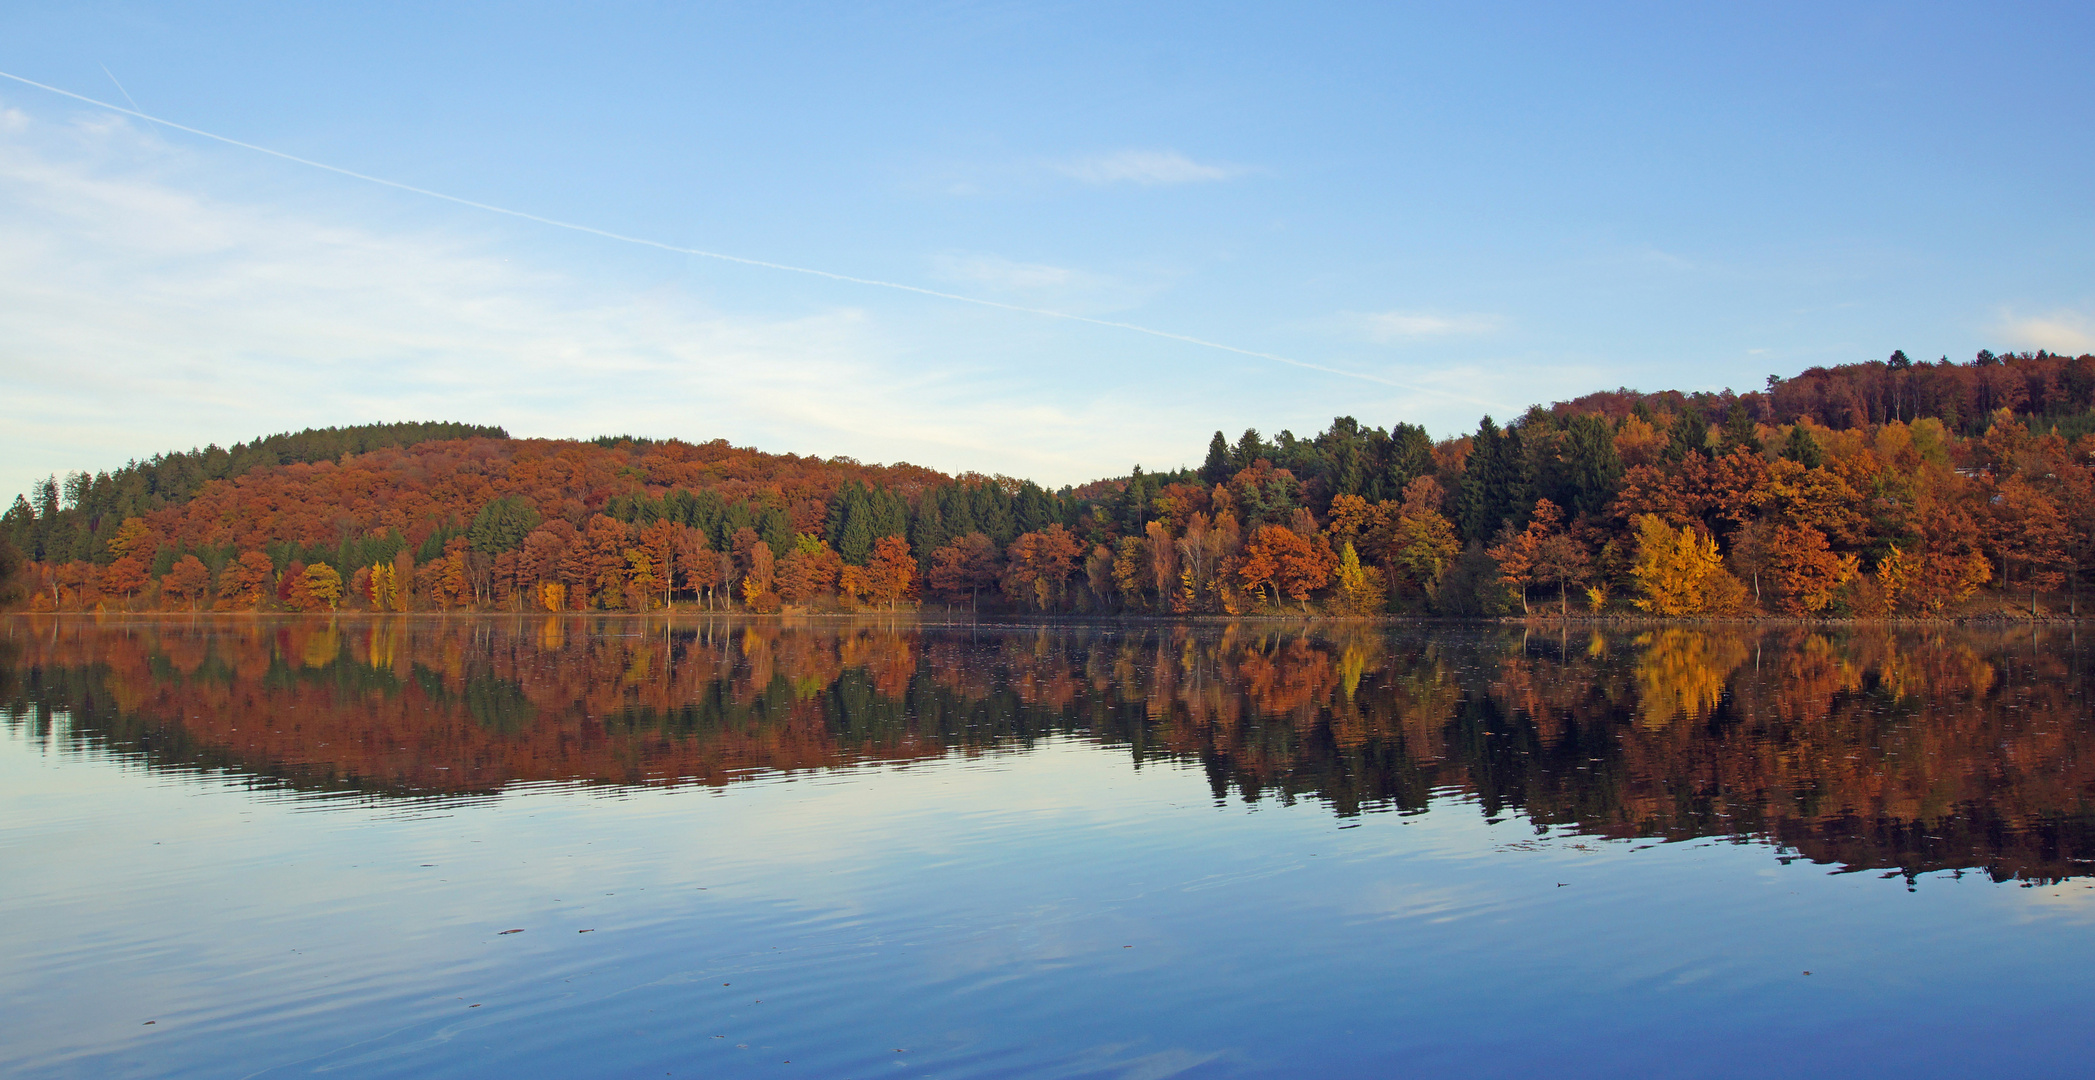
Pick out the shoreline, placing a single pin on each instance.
(1618, 622)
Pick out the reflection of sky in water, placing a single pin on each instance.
(1041, 886)
(1055, 913)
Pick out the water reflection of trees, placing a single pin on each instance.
(1872, 750)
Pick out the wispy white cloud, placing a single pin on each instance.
(139, 313)
(2059, 332)
(1059, 287)
(1148, 168)
(1005, 275)
(145, 307)
(1384, 327)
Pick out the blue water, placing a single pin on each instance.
(1057, 905)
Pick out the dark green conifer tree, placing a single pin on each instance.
(993, 513)
(1739, 431)
(1493, 490)
(1134, 502)
(1033, 508)
(1592, 468)
(500, 526)
(775, 528)
(1803, 449)
(927, 529)
(957, 510)
(1249, 449)
(890, 514)
(1688, 435)
(851, 524)
(1410, 457)
(1219, 467)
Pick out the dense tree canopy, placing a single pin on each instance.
(1866, 490)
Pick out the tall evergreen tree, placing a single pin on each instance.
(775, 528)
(1134, 502)
(1249, 449)
(1739, 432)
(1344, 468)
(1803, 449)
(993, 513)
(1492, 488)
(1410, 457)
(851, 524)
(1688, 435)
(1033, 508)
(957, 511)
(1593, 470)
(1219, 467)
(927, 529)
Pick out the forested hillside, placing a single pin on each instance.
(1887, 488)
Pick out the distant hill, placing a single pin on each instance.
(1888, 487)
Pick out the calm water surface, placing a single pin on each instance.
(609, 847)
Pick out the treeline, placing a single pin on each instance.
(1904, 497)
(74, 517)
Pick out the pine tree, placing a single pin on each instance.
(993, 514)
(1033, 508)
(1480, 516)
(1218, 468)
(1803, 449)
(1688, 435)
(853, 528)
(776, 528)
(1134, 501)
(1592, 468)
(927, 529)
(1739, 432)
(1249, 449)
(1410, 456)
(890, 514)
(1494, 485)
(957, 510)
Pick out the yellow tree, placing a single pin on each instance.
(1131, 568)
(1360, 588)
(1679, 571)
(1423, 543)
(640, 579)
(384, 588)
(321, 587)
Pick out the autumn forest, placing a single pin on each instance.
(1885, 489)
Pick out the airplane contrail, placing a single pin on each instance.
(678, 249)
(120, 86)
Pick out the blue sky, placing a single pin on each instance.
(1435, 212)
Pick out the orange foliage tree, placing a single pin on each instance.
(891, 574)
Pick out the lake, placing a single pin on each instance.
(612, 847)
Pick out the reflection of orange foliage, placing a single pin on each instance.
(1681, 674)
(1981, 740)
